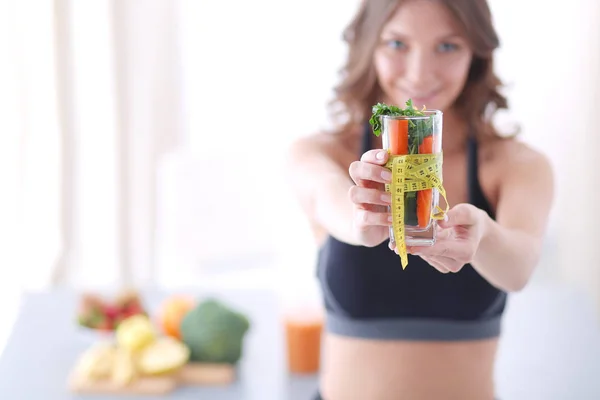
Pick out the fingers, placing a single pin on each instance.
(445, 234)
(450, 254)
(360, 195)
(370, 168)
(364, 219)
(375, 157)
(362, 171)
(442, 264)
(447, 263)
(367, 197)
(437, 265)
(461, 214)
(457, 250)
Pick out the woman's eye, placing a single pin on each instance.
(396, 44)
(447, 47)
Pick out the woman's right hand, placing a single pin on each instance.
(369, 199)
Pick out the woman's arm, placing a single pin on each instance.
(511, 246)
(344, 195)
(319, 177)
(506, 250)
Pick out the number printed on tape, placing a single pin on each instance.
(411, 173)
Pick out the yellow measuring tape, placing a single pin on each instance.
(411, 173)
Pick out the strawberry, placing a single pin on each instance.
(105, 325)
(134, 308)
(127, 297)
(111, 311)
(96, 313)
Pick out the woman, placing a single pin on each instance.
(430, 331)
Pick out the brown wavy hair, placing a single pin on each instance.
(359, 90)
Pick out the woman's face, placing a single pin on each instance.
(422, 55)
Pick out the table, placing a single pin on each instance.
(45, 344)
(550, 349)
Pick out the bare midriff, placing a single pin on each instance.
(359, 369)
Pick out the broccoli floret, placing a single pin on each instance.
(214, 332)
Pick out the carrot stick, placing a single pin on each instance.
(398, 137)
(398, 134)
(424, 197)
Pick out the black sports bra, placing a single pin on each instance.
(367, 294)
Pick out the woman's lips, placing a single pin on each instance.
(420, 101)
(423, 98)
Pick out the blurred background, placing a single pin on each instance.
(142, 141)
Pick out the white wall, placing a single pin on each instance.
(552, 57)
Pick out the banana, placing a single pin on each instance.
(123, 371)
(97, 362)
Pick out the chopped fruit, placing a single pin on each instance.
(96, 362)
(96, 313)
(135, 333)
(163, 356)
(123, 371)
(172, 312)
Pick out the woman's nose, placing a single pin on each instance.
(420, 67)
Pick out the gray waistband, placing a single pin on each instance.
(413, 329)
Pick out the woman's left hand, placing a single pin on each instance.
(457, 240)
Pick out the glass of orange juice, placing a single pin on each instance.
(303, 331)
(303, 320)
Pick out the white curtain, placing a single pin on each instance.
(90, 101)
(30, 153)
(30, 145)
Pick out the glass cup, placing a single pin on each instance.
(303, 320)
(303, 331)
(403, 135)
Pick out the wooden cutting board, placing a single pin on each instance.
(192, 374)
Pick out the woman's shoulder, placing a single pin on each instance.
(329, 141)
(513, 157)
(512, 151)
